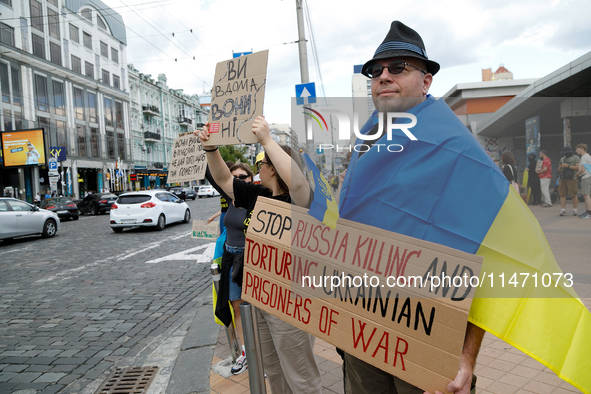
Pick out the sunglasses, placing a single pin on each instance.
(260, 164)
(241, 176)
(395, 67)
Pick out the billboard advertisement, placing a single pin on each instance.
(23, 148)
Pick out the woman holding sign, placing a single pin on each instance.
(288, 355)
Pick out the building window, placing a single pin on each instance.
(52, 2)
(74, 34)
(87, 13)
(110, 145)
(119, 114)
(92, 108)
(106, 77)
(55, 53)
(121, 146)
(4, 78)
(7, 120)
(116, 83)
(53, 23)
(79, 103)
(81, 133)
(16, 85)
(76, 64)
(7, 2)
(6, 34)
(87, 38)
(61, 133)
(38, 46)
(58, 98)
(94, 142)
(89, 69)
(43, 122)
(101, 23)
(36, 15)
(41, 97)
(108, 112)
(104, 50)
(115, 55)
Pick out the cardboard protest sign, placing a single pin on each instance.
(237, 99)
(188, 162)
(375, 294)
(204, 230)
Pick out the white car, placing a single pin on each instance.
(207, 191)
(148, 208)
(19, 218)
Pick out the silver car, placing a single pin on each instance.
(19, 218)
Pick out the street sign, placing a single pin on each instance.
(305, 93)
(52, 164)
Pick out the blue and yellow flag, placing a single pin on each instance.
(445, 188)
(324, 207)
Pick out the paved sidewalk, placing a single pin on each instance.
(501, 369)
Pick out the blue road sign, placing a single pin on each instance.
(306, 93)
(238, 54)
(53, 165)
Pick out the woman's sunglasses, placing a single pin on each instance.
(241, 177)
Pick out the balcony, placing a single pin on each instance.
(185, 121)
(150, 110)
(151, 137)
(158, 165)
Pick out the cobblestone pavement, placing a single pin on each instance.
(74, 307)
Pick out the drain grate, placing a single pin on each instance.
(134, 380)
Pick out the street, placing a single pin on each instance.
(76, 306)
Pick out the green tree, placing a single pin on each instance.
(233, 153)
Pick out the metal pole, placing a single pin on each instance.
(252, 346)
(304, 71)
(233, 340)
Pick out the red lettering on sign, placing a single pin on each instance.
(397, 352)
(361, 335)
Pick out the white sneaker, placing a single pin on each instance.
(240, 366)
(575, 212)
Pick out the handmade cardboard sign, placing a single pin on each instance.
(188, 162)
(375, 294)
(204, 230)
(237, 99)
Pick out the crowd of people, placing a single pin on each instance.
(571, 171)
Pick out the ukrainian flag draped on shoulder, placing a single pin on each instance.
(444, 188)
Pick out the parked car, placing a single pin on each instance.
(184, 193)
(207, 191)
(97, 203)
(19, 218)
(148, 208)
(62, 206)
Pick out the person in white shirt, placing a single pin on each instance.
(585, 176)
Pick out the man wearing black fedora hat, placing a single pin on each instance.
(401, 74)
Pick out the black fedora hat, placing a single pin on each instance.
(401, 41)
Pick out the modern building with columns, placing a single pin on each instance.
(63, 67)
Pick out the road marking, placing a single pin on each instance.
(126, 255)
(204, 257)
(66, 272)
(12, 251)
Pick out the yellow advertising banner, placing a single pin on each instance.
(24, 147)
(398, 303)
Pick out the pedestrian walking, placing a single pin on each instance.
(585, 177)
(568, 166)
(545, 174)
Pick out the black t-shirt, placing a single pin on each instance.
(246, 194)
(234, 221)
(510, 172)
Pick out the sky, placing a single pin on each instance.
(531, 39)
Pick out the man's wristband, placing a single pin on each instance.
(211, 150)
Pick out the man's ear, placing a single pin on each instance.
(427, 81)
